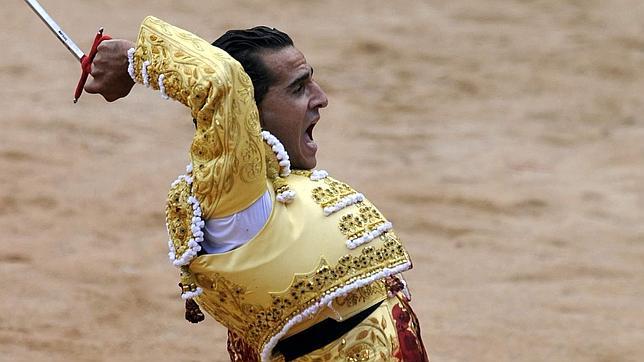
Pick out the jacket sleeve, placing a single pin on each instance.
(227, 154)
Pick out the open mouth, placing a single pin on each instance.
(309, 132)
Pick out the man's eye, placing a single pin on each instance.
(299, 88)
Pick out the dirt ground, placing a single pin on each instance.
(504, 139)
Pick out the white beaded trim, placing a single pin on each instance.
(193, 294)
(324, 301)
(196, 227)
(367, 237)
(344, 202)
(280, 153)
(130, 65)
(162, 87)
(144, 73)
(317, 175)
(182, 177)
(286, 197)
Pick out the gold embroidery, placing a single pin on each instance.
(250, 169)
(224, 300)
(374, 339)
(226, 152)
(305, 173)
(333, 193)
(355, 226)
(178, 214)
(336, 195)
(361, 295)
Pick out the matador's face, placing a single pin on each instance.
(290, 108)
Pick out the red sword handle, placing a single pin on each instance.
(86, 63)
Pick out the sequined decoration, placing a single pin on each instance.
(335, 196)
(225, 300)
(178, 214)
(367, 219)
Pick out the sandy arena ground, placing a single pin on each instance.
(504, 139)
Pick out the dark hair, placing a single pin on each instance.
(246, 45)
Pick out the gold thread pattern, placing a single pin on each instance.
(256, 324)
(374, 339)
(361, 295)
(305, 173)
(178, 213)
(390, 333)
(226, 151)
(354, 226)
(333, 193)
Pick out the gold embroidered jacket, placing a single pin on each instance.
(323, 255)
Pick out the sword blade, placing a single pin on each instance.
(56, 29)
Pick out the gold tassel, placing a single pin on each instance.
(193, 312)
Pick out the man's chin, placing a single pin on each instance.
(307, 163)
(307, 159)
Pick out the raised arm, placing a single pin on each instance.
(227, 154)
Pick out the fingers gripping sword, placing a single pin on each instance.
(85, 60)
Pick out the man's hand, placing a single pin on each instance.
(109, 70)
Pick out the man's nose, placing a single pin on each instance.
(319, 99)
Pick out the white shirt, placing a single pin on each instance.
(230, 232)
